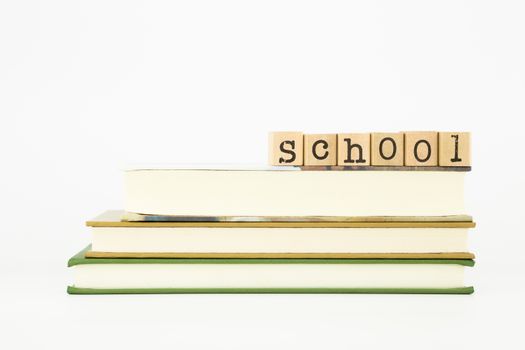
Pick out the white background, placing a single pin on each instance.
(87, 87)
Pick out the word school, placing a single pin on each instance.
(428, 148)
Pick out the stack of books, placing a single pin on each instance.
(281, 230)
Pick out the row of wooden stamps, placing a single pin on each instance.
(426, 148)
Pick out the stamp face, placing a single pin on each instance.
(320, 149)
(285, 148)
(454, 149)
(387, 149)
(421, 148)
(353, 149)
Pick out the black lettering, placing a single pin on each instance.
(429, 151)
(287, 151)
(324, 144)
(349, 147)
(394, 148)
(456, 149)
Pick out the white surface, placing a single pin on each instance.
(268, 276)
(280, 240)
(209, 166)
(294, 193)
(88, 87)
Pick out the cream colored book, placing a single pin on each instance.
(112, 237)
(294, 192)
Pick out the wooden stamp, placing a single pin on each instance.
(320, 149)
(286, 148)
(421, 148)
(361, 151)
(454, 149)
(387, 149)
(353, 149)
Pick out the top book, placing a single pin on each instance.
(295, 191)
(421, 149)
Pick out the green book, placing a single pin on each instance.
(216, 275)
